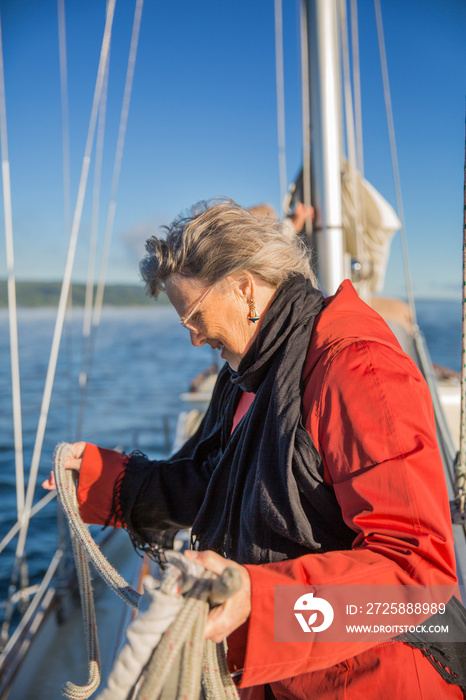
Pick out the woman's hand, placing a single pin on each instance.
(74, 461)
(225, 618)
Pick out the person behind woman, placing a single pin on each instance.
(294, 222)
(315, 463)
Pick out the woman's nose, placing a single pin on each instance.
(197, 339)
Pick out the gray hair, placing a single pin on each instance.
(220, 238)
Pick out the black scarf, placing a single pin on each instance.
(267, 499)
(255, 495)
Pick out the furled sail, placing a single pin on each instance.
(369, 223)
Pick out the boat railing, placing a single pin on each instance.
(446, 444)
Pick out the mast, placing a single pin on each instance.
(326, 137)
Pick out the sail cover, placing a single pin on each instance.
(369, 223)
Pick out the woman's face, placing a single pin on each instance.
(221, 318)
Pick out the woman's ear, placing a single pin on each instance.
(245, 286)
(242, 284)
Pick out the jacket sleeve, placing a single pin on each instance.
(151, 497)
(146, 497)
(99, 472)
(369, 413)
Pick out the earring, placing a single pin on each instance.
(253, 316)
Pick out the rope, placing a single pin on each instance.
(190, 622)
(67, 495)
(84, 544)
(217, 682)
(70, 690)
(202, 662)
(460, 466)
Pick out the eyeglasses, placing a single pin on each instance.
(184, 321)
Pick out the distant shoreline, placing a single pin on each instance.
(46, 294)
(39, 294)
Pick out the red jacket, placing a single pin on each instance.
(368, 411)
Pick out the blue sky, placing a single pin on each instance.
(202, 122)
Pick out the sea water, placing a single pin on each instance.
(143, 361)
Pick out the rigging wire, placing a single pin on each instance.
(41, 591)
(34, 510)
(460, 466)
(89, 297)
(64, 112)
(280, 84)
(357, 85)
(115, 181)
(12, 310)
(350, 133)
(66, 284)
(306, 116)
(394, 158)
(349, 114)
(66, 197)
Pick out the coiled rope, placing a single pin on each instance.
(202, 662)
(84, 548)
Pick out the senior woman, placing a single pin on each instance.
(316, 461)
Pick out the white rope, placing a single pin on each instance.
(186, 626)
(71, 690)
(165, 651)
(65, 285)
(67, 495)
(394, 157)
(306, 116)
(159, 605)
(280, 83)
(85, 549)
(12, 311)
(171, 644)
(200, 661)
(217, 683)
